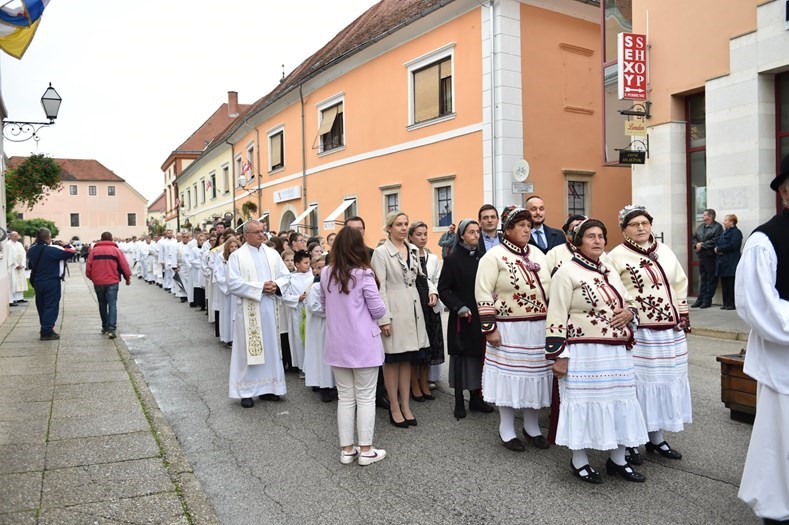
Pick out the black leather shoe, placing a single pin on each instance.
(696, 304)
(269, 397)
(669, 453)
(538, 441)
(401, 424)
(586, 473)
(626, 471)
(247, 402)
(476, 404)
(634, 456)
(705, 305)
(51, 337)
(429, 397)
(411, 422)
(418, 399)
(514, 444)
(460, 409)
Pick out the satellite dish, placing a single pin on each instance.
(520, 171)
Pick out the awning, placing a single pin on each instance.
(300, 219)
(330, 222)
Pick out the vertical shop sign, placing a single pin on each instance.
(632, 66)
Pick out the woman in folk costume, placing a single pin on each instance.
(256, 276)
(396, 265)
(349, 295)
(589, 332)
(227, 303)
(317, 373)
(511, 289)
(293, 297)
(653, 276)
(465, 342)
(434, 353)
(559, 255)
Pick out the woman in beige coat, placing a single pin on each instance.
(396, 264)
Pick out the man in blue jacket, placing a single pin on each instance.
(46, 262)
(542, 236)
(106, 266)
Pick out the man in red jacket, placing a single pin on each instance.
(106, 267)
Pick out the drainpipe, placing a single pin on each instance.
(233, 179)
(304, 156)
(491, 9)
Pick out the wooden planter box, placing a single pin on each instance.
(738, 390)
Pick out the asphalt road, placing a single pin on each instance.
(279, 462)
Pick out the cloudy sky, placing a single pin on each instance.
(138, 78)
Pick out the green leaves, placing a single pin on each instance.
(31, 181)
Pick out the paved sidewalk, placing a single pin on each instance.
(82, 439)
(714, 322)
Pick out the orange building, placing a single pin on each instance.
(430, 107)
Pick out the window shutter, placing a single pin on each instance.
(426, 93)
(446, 68)
(327, 121)
(276, 149)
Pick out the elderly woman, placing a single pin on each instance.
(396, 265)
(434, 353)
(589, 330)
(465, 342)
(559, 255)
(728, 255)
(653, 276)
(512, 297)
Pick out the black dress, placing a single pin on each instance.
(434, 355)
(465, 342)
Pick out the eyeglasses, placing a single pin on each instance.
(642, 224)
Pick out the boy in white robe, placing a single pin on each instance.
(316, 372)
(293, 298)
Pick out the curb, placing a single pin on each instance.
(720, 334)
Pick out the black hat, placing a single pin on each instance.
(783, 174)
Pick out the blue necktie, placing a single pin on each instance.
(540, 239)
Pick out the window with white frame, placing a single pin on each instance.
(212, 185)
(251, 161)
(391, 199)
(276, 149)
(331, 133)
(188, 199)
(202, 191)
(72, 189)
(194, 192)
(226, 178)
(239, 164)
(181, 203)
(111, 191)
(92, 191)
(131, 219)
(443, 201)
(431, 86)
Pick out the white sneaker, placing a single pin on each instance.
(371, 456)
(346, 458)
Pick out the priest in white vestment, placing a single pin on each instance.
(255, 276)
(16, 268)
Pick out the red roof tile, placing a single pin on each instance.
(78, 170)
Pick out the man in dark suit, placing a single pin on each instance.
(542, 236)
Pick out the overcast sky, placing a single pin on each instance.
(138, 78)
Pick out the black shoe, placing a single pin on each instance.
(460, 409)
(269, 397)
(724, 307)
(184, 299)
(626, 471)
(670, 453)
(326, 395)
(476, 404)
(586, 473)
(633, 456)
(538, 441)
(51, 337)
(418, 399)
(705, 305)
(12, 304)
(382, 402)
(22, 301)
(411, 422)
(429, 397)
(514, 444)
(731, 307)
(696, 304)
(247, 402)
(401, 424)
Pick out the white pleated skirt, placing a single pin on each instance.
(516, 374)
(598, 405)
(660, 358)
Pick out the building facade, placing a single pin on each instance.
(91, 200)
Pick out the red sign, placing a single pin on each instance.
(632, 66)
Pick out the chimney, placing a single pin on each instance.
(232, 104)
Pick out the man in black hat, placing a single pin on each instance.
(762, 298)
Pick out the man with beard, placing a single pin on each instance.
(542, 236)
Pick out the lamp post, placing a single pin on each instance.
(18, 131)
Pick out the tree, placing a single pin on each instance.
(30, 227)
(248, 209)
(31, 181)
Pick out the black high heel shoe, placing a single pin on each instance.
(586, 473)
(418, 399)
(626, 471)
(633, 456)
(411, 422)
(401, 424)
(670, 453)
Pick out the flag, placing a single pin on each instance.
(17, 42)
(30, 12)
(18, 26)
(245, 167)
(177, 202)
(208, 185)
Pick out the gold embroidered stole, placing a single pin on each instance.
(251, 310)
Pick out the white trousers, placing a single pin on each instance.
(356, 401)
(765, 479)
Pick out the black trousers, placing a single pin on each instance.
(708, 282)
(200, 297)
(727, 288)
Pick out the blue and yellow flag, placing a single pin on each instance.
(18, 26)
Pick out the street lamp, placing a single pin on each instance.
(21, 131)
